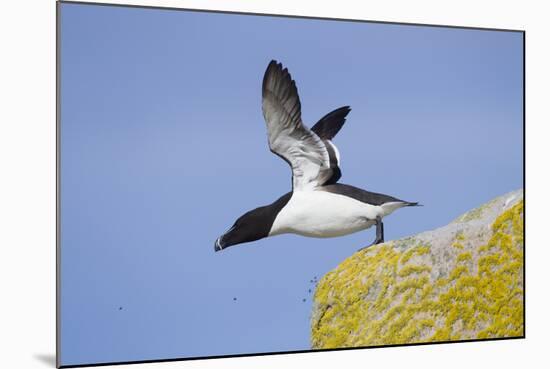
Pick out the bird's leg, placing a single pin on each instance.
(379, 233)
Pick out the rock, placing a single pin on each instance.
(461, 281)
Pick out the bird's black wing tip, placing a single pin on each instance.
(274, 65)
(275, 70)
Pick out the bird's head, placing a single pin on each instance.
(251, 226)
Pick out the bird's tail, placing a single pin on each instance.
(412, 204)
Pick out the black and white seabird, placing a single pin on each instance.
(317, 206)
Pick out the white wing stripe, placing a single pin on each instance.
(336, 152)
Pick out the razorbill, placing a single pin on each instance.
(317, 206)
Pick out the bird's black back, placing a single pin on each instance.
(367, 197)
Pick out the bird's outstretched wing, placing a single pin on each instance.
(304, 150)
(326, 128)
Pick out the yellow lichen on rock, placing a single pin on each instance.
(395, 293)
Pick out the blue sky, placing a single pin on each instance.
(163, 146)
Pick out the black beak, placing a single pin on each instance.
(218, 245)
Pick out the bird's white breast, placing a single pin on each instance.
(324, 214)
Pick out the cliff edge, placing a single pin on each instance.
(460, 281)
